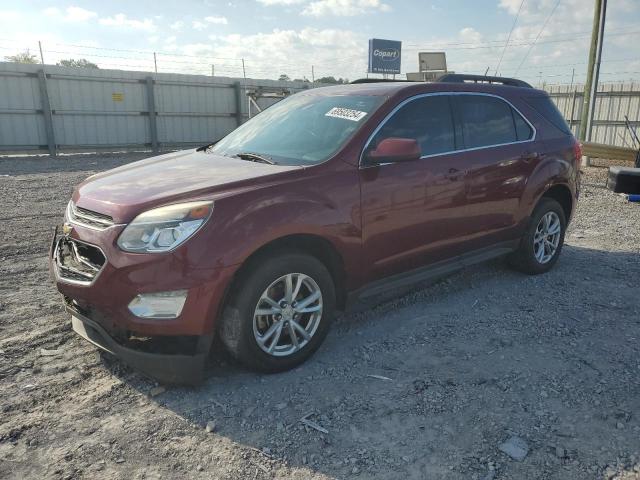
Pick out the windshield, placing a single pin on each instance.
(301, 129)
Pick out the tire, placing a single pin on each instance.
(242, 326)
(528, 258)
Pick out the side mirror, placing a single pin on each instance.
(395, 149)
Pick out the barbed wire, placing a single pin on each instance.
(178, 62)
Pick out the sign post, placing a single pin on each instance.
(384, 56)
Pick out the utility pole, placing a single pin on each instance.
(593, 72)
(244, 75)
(212, 71)
(573, 74)
(313, 77)
(41, 55)
(155, 62)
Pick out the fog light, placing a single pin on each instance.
(158, 305)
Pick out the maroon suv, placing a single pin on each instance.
(332, 196)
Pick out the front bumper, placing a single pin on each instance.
(122, 276)
(170, 350)
(166, 368)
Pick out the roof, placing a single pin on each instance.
(391, 88)
(380, 88)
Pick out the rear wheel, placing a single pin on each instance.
(280, 314)
(542, 242)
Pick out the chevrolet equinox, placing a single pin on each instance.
(330, 197)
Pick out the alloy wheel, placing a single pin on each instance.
(288, 314)
(547, 237)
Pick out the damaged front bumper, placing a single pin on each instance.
(97, 296)
(166, 368)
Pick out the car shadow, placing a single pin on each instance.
(427, 385)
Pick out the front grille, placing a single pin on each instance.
(77, 262)
(88, 218)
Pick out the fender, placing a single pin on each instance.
(548, 173)
(245, 222)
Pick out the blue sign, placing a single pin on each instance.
(384, 56)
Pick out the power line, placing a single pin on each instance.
(473, 45)
(509, 37)
(538, 36)
(545, 66)
(618, 31)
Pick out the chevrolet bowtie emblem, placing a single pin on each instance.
(66, 229)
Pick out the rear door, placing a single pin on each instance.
(500, 155)
(411, 210)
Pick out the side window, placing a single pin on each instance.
(486, 121)
(523, 130)
(428, 120)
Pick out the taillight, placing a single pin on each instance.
(577, 151)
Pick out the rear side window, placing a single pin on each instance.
(490, 121)
(427, 119)
(545, 107)
(523, 130)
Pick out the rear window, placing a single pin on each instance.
(545, 107)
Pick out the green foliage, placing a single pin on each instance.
(22, 57)
(80, 63)
(332, 80)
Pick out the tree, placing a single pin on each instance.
(284, 78)
(80, 63)
(22, 57)
(332, 80)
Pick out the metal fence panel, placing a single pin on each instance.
(114, 109)
(21, 120)
(613, 102)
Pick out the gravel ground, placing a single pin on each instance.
(488, 374)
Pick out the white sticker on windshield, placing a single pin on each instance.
(346, 113)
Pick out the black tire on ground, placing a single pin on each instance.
(524, 259)
(236, 324)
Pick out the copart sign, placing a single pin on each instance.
(384, 56)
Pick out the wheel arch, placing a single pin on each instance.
(562, 194)
(310, 244)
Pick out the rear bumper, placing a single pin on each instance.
(166, 368)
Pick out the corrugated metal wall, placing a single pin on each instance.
(21, 119)
(613, 102)
(82, 110)
(70, 109)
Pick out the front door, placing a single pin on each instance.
(411, 210)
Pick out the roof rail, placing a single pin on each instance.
(376, 80)
(462, 78)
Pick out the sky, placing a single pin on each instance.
(301, 38)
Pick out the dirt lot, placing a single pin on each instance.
(428, 386)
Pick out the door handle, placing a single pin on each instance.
(453, 174)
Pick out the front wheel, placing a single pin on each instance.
(280, 314)
(542, 242)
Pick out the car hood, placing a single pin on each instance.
(127, 190)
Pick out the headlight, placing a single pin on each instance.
(163, 229)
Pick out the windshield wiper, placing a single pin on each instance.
(204, 148)
(255, 157)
